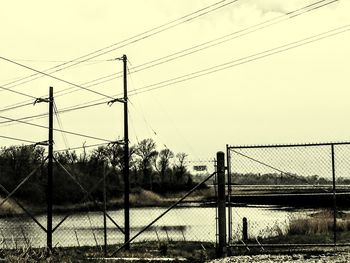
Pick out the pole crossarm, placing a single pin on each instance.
(119, 142)
(43, 143)
(111, 102)
(22, 183)
(39, 100)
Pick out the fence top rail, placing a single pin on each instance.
(284, 145)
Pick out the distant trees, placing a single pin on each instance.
(283, 179)
(161, 171)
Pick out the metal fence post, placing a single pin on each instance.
(104, 210)
(221, 250)
(334, 199)
(229, 193)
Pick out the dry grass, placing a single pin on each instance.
(319, 223)
(145, 197)
(9, 207)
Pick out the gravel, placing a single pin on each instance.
(343, 257)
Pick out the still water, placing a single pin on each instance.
(182, 223)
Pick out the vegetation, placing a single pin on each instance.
(160, 172)
(283, 179)
(309, 229)
(179, 251)
(321, 223)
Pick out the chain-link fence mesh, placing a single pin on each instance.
(22, 224)
(293, 194)
(193, 219)
(88, 208)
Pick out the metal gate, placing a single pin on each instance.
(289, 195)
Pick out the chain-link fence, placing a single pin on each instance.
(21, 224)
(88, 208)
(289, 194)
(193, 218)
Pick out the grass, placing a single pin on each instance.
(9, 207)
(313, 229)
(191, 251)
(319, 223)
(316, 228)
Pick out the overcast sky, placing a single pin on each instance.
(295, 96)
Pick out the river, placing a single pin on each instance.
(182, 223)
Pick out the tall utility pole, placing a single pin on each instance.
(126, 159)
(50, 173)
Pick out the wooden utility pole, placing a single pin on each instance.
(50, 174)
(126, 159)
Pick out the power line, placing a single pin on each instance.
(68, 109)
(243, 60)
(81, 147)
(16, 107)
(53, 77)
(137, 37)
(54, 61)
(203, 46)
(17, 92)
(58, 93)
(58, 130)
(17, 139)
(223, 66)
(60, 125)
(233, 35)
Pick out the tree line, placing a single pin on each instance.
(79, 175)
(284, 179)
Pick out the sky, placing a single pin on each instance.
(297, 95)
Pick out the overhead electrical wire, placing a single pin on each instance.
(53, 77)
(67, 132)
(60, 125)
(81, 147)
(244, 60)
(133, 39)
(290, 14)
(68, 109)
(17, 92)
(220, 67)
(233, 35)
(53, 61)
(17, 139)
(215, 42)
(16, 107)
(204, 45)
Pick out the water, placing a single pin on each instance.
(182, 223)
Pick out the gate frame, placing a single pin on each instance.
(229, 187)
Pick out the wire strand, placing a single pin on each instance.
(58, 130)
(220, 67)
(203, 46)
(53, 77)
(134, 39)
(17, 139)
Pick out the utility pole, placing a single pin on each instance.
(50, 174)
(126, 159)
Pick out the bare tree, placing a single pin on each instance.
(163, 164)
(146, 151)
(180, 165)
